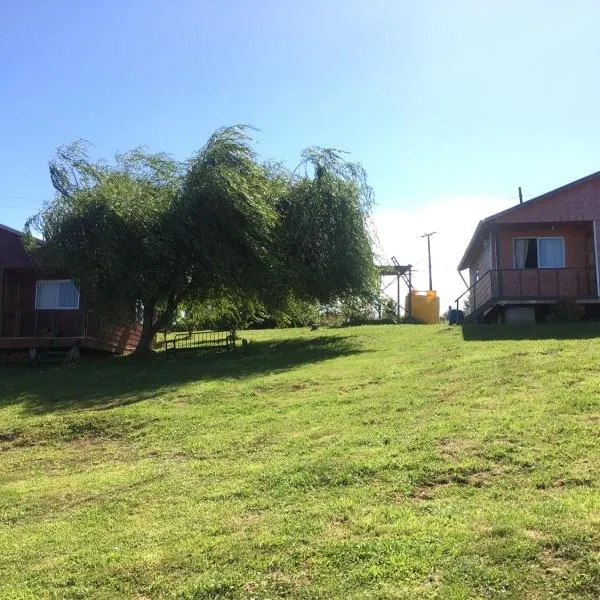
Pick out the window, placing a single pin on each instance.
(60, 294)
(539, 253)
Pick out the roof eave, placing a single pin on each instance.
(464, 264)
(10, 229)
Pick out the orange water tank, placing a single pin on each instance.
(425, 306)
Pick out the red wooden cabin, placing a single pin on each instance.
(523, 260)
(39, 310)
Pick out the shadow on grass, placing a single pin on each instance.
(538, 331)
(110, 383)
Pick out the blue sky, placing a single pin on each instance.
(442, 101)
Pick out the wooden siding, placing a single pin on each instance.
(578, 239)
(119, 337)
(12, 253)
(579, 202)
(479, 274)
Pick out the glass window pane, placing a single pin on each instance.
(551, 253)
(46, 294)
(68, 295)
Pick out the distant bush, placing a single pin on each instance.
(370, 321)
(565, 311)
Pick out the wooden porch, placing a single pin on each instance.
(500, 287)
(27, 329)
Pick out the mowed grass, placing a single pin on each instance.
(367, 462)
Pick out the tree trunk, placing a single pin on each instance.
(144, 346)
(152, 325)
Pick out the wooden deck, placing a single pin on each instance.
(25, 343)
(25, 329)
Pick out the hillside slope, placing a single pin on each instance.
(369, 462)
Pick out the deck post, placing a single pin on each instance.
(500, 282)
(520, 283)
(596, 257)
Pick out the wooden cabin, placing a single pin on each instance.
(523, 260)
(41, 310)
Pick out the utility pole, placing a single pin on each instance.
(428, 236)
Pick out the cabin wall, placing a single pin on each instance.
(480, 276)
(577, 279)
(12, 252)
(112, 335)
(575, 236)
(581, 202)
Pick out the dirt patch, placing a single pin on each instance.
(84, 442)
(276, 583)
(426, 491)
(248, 519)
(453, 448)
(480, 479)
(567, 482)
(534, 534)
(338, 527)
(552, 562)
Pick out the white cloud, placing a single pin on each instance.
(454, 220)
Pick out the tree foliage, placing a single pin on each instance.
(221, 232)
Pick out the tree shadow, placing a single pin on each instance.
(537, 331)
(109, 383)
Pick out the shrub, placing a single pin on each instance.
(565, 311)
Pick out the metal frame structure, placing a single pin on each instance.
(398, 272)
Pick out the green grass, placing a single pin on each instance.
(368, 462)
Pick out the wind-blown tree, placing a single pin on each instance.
(113, 227)
(324, 248)
(320, 249)
(150, 233)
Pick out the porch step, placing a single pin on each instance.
(54, 355)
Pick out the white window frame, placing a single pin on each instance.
(537, 241)
(57, 281)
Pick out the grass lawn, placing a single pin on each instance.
(368, 462)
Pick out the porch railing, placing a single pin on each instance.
(35, 323)
(529, 284)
